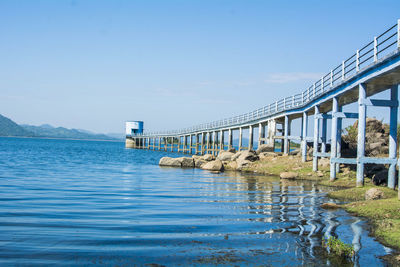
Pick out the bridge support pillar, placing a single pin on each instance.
(165, 143)
(172, 144)
(334, 135)
(214, 142)
(339, 140)
(271, 133)
(362, 110)
(202, 143)
(250, 137)
(221, 146)
(159, 143)
(304, 129)
(286, 136)
(316, 137)
(208, 143)
(393, 136)
(184, 144)
(323, 134)
(190, 144)
(261, 134)
(179, 143)
(240, 138)
(230, 139)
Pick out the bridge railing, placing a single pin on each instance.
(379, 47)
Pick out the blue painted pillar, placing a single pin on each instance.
(393, 136)
(304, 137)
(335, 107)
(316, 137)
(286, 135)
(362, 115)
(323, 135)
(250, 137)
(240, 138)
(339, 140)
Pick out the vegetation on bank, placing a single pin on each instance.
(338, 247)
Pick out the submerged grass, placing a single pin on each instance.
(339, 248)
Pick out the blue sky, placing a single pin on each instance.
(95, 64)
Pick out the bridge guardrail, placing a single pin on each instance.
(383, 44)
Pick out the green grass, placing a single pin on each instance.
(384, 215)
(358, 193)
(339, 248)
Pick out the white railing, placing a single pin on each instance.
(382, 45)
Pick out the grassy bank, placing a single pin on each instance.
(383, 214)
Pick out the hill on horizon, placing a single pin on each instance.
(10, 128)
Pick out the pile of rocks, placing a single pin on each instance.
(230, 160)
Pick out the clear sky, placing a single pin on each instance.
(95, 64)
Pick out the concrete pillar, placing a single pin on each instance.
(240, 138)
(286, 136)
(208, 143)
(197, 144)
(335, 108)
(230, 139)
(221, 146)
(362, 110)
(159, 143)
(261, 134)
(184, 144)
(214, 142)
(271, 133)
(304, 137)
(393, 136)
(316, 137)
(250, 137)
(172, 144)
(339, 140)
(165, 143)
(190, 144)
(202, 143)
(323, 135)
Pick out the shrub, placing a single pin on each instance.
(339, 248)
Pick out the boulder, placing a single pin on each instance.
(248, 155)
(380, 177)
(236, 155)
(288, 175)
(187, 162)
(199, 162)
(225, 155)
(215, 165)
(171, 162)
(232, 165)
(373, 194)
(242, 163)
(232, 149)
(295, 152)
(208, 157)
(264, 148)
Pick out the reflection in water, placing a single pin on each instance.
(96, 203)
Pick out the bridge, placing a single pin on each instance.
(372, 69)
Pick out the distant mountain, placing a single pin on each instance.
(61, 132)
(120, 136)
(10, 128)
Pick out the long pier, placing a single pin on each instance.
(372, 69)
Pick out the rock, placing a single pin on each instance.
(187, 162)
(208, 157)
(225, 155)
(215, 165)
(324, 162)
(232, 165)
(320, 174)
(375, 146)
(295, 152)
(232, 150)
(373, 194)
(330, 206)
(264, 148)
(171, 162)
(236, 155)
(248, 155)
(288, 175)
(380, 177)
(199, 162)
(242, 163)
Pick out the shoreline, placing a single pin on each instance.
(60, 138)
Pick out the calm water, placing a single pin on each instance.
(96, 203)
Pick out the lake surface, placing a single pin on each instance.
(86, 203)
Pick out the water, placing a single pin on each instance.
(96, 203)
